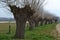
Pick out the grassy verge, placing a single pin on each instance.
(39, 33)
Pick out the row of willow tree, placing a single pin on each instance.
(28, 10)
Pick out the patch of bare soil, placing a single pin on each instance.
(56, 32)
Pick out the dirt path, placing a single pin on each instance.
(58, 30)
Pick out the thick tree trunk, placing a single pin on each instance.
(36, 23)
(55, 20)
(32, 24)
(20, 28)
(41, 22)
(46, 21)
(21, 15)
(49, 21)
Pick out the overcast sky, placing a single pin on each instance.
(52, 6)
(4, 12)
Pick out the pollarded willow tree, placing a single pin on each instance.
(22, 11)
(37, 16)
(48, 17)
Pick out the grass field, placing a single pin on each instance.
(45, 32)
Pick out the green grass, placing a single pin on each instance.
(39, 33)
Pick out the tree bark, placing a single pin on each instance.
(32, 24)
(20, 27)
(55, 20)
(46, 21)
(49, 21)
(42, 20)
(36, 24)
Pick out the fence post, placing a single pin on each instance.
(9, 30)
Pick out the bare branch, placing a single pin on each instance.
(42, 3)
(38, 2)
